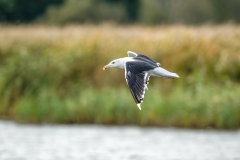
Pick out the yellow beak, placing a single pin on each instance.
(105, 67)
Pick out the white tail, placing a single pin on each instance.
(161, 72)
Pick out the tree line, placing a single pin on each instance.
(120, 11)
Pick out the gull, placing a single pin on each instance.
(138, 68)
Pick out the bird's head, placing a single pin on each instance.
(112, 64)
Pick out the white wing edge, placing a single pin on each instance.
(139, 105)
(131, 54)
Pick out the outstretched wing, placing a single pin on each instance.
(137, 79)
(141, 57)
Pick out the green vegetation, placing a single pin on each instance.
(24, 10)
(73, 11)
(54, 75)
(150, 12)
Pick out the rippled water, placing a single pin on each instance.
(93, 142)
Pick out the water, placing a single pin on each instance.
(93, 142)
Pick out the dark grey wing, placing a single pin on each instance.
(142, 57)
(137, 79)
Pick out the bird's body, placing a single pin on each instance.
(138, 69)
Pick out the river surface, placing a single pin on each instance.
(96, 142)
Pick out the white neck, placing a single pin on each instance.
(123, 61)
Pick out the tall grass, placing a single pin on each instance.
(51, 74)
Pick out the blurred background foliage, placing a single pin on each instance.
(149, 12)
(51, 64)
(24, 10)
(54, 74)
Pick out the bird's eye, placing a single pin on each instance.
(113, 62)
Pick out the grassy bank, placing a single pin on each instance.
(200, 108)
(55, 75)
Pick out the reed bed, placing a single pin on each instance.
(54, 74)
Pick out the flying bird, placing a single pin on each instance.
(138, 69)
